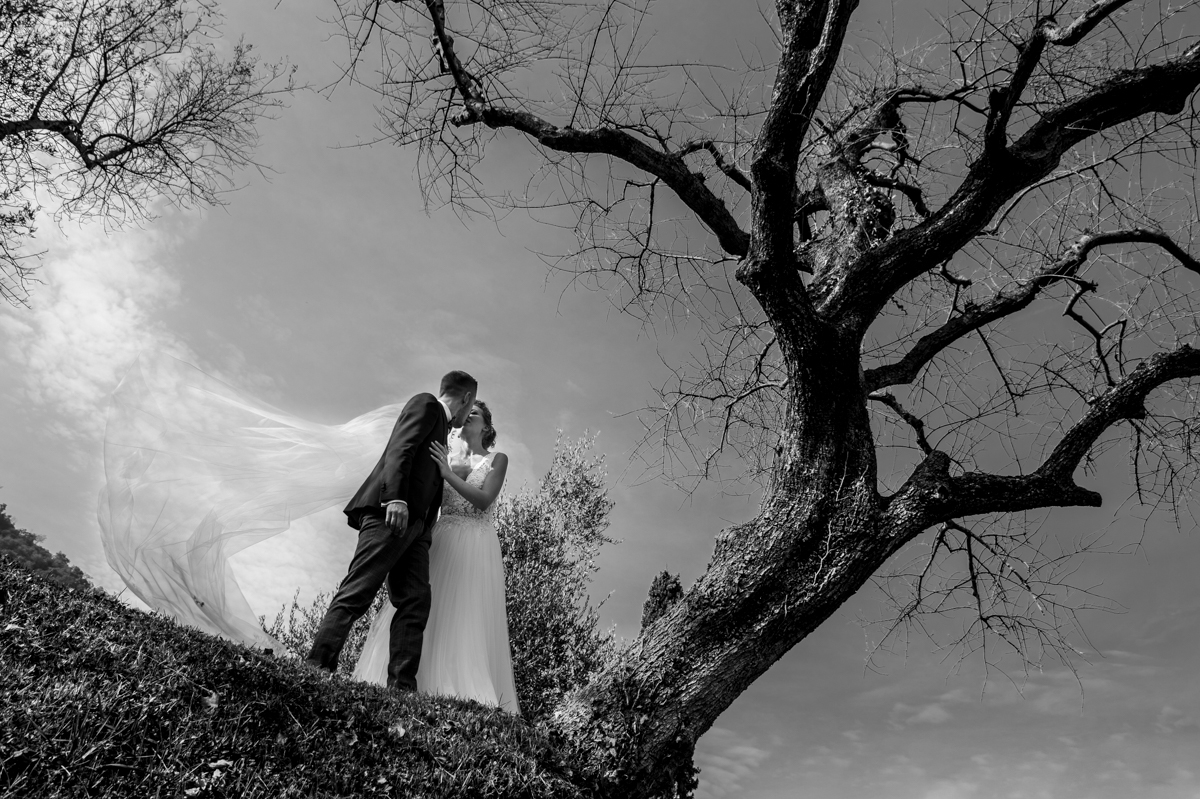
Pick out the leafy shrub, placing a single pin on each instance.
(298, 628)
(664, 592)
(550, 538)
(24, 548)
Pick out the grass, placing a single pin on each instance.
(98, 699)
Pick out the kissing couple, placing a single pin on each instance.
(424, 530)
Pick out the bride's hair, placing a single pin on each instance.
(489, 432)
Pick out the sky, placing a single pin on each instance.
(323, 287)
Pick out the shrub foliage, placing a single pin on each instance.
(296, 626)
(550, 538)
(24, 548)
(665, 591)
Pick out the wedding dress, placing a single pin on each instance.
(465, 652)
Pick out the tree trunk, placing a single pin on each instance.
(771, 582)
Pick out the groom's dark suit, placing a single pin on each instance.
(406, 471)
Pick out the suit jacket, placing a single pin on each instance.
(406, 469)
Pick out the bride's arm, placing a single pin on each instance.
(483, 496)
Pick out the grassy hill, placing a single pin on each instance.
(100, 700)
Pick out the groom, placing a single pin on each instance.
(393, 512)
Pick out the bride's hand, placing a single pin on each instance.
(442, 456)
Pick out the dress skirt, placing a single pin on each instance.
(465, 651)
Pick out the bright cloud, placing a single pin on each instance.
(726, 759)
(100, 304)
(102, 299)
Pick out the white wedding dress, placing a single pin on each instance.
(465, 652)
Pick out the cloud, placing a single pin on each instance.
(99, 305)
(1172, 719)
(900, 766)
(1185, 778)
(932, 713)
(958, 695)
(951, 789)
(726, 759)
(825, 757)
(102, 299)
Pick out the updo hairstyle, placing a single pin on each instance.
(489, 432)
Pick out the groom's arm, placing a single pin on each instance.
(416, 422)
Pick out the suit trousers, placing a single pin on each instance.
(402, 559)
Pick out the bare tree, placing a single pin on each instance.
(866, 238)
(106, 105)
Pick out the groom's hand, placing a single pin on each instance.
(396, 517)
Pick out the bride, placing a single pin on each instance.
(465, 651)
(196, 472)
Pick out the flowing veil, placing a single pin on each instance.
(197, 472)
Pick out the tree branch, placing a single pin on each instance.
(913, 193)
(1013, 299)
(932, 496)
(813, 34)
(1122, 401)
(1097, 336)
(1002, 101)
(919, 94)
(1083, 24)
(913, 421)
(991, 181)
(668, 167)
(730, 169)
(63, 127)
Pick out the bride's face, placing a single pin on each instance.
(473, 426)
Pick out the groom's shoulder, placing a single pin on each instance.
(421, 400)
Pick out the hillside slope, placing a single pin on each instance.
(101, 700)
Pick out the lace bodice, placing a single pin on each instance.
(453, 503)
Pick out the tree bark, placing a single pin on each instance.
(771, 582)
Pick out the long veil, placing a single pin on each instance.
(197, 472)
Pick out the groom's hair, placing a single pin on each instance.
(457, 384)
